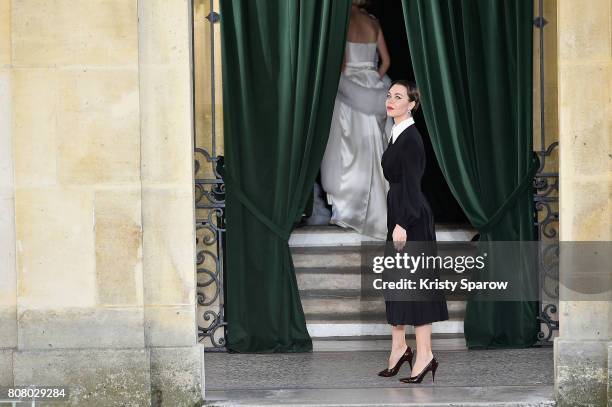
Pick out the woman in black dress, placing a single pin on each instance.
(409, 217)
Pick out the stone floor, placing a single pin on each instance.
(516, 377)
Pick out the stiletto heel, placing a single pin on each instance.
(407, 356)
(432, 365)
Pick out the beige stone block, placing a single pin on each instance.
(95, 90)
(118, 243)
(609, 379)
(584, 120)
(168, 246)
(586, 207)
(34, 111)
(8, 275)
(585, 320)
(94, 377)
(5, 32)
(170, 326)
(177, 375)
(164, 33)
(8, 333)
(584, 29)
(98, 128)
(75, 32)
(165, 90)
(74, 328)
(167, 138)
(55, 247)
(34, 32)
(580, 372)
(6, 368)
(6, 139)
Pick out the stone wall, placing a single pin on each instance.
(585, 135)
(96, 107)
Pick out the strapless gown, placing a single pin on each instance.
(351, 174)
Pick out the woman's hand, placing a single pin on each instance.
(399, 237)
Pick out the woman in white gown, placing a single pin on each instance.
(351, 173)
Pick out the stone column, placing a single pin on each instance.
(167, 173)
(8, 275)
(584, 345)
(102, 141)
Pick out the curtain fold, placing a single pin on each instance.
(472, 61)
(281, 66)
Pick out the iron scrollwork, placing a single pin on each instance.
(546, 216)
(546, 199)
(210, 233)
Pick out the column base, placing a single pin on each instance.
(170, 376)
(581, 372)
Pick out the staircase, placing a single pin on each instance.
(327, 262)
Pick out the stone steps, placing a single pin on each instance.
(328, 263)
(334, 310)
(344, 279)
(309, 236)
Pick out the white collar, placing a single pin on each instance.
(400, 127)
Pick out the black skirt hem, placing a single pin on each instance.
(417, 323)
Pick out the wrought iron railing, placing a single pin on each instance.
(210, 233)
(210, 220)
(546, 217)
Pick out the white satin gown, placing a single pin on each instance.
(351, 173)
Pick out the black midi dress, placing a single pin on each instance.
(403, 164)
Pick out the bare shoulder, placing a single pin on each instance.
(374, 22)
(370, 16)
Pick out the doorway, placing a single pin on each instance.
(445, 207)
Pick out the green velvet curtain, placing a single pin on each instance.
(281, 67)
(472, 60)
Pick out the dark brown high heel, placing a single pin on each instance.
(432, 365)
(407, 356)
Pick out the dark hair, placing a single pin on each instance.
(414, 95)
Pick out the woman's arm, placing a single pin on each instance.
(383, 52)
(412, 172)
